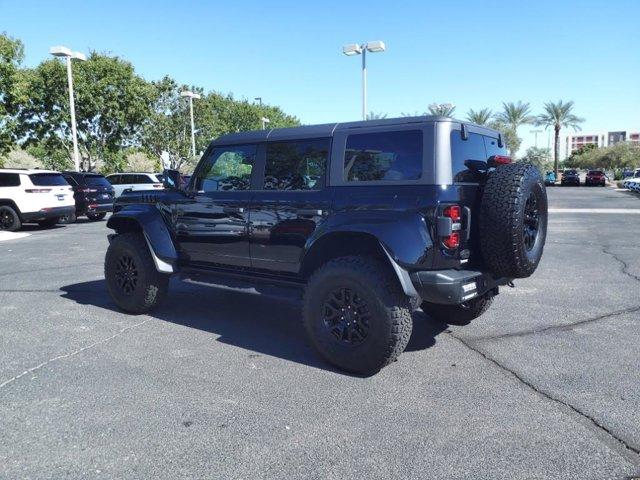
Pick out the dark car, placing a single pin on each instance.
(93, 195)
(365, 220)
(595, 177)
(570, 177)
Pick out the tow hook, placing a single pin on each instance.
(511, 284)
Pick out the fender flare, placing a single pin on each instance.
(150, 221)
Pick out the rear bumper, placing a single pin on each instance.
(46, 213)
(452, 287)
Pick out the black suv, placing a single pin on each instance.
(93, 195)
(368, 220)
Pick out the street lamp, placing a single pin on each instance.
(536, 132)
(191, 96)
(259, 100)
(61, 51)
(353, 49)
(265, 120)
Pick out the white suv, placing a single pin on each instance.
(129, 182)
(41, 196)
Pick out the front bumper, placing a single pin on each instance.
(46, 213)
(452, 287)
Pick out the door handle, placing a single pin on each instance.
(233, 209)
(310, 211)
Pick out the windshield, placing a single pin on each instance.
(47, 179)
(595, 172)
(570, 172)
(96, 181)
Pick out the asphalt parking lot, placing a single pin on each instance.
(220, 384)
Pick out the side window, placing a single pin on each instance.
(492, 148)
(9, 180)
(142, 179)
(227, 168)
(383, 156)
(112, 179)
(463, 152)
(70, 180)
(296, 165)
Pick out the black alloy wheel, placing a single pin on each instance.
(126, 274)
(346, 316)
(531, 222)
(6, 220)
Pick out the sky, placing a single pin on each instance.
(474, 54)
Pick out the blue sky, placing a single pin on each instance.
(471, 53)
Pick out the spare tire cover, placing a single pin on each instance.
(513, 220)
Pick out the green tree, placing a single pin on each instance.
(479, 117)
(513, 115)
(558, 115)
(112, 102)
(11, 56)
(540, 157)
(442, 109)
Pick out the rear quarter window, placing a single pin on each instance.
(9, 180)
(384, 156)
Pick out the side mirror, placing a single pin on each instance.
(172, 179)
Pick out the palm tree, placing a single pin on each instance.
(479, 117)
(515, 114)
(442, 109)
(376, 116)
(558, 115)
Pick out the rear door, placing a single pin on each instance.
(290, 202)
(212, 223)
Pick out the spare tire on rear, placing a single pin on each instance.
(513, 220)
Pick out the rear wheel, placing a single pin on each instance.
(67, 219)
(132, 279)
(458, 314)
(95, 217)
(356, 315)
(9, 219)
(49, 222)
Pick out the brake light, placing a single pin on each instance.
(501, 159)
(37, 190)
(452, 241)
(453, 212)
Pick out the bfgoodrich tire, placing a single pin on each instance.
(513, 220)
(458, 314)
(356, 315)
(132, 279)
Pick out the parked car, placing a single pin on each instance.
(570, 177)
(550, 178)
(26, 195)
(93, 195)
(366, 219)
(595, 177)
(632, 183)
(131, 182)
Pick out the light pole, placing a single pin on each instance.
(265, 121)
(61, 51)
(259, 100)
(535, 132)
(357, 49)
(191, 96)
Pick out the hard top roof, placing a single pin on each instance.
(325, 130)
(27, 171)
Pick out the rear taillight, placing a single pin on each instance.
(496, 160)
(37, 190)
(452, 241)
(449, 227)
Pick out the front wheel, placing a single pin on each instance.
(458, 314)
(356, 315)
(132, 279)
(96, 217)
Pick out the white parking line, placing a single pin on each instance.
(625, 211)
(12, 235)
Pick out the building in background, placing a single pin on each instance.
(602, 139)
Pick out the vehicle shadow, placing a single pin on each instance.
(259, 323)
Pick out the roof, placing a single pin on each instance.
(325, 130)
(26, 171)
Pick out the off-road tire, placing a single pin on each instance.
(9, 219)
(49, 222)
(389, 322)
(458, 314)
(150, 286)
(96, 217)
(505, 234)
